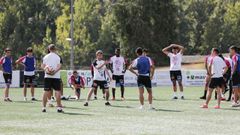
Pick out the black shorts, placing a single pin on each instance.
(52, 83)
(176, 75)
(28, 79)
(216, 82)
(101, 84)
(119, 80)
(7, 78)
(236, 79)
(144, 81)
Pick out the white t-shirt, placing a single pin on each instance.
(175, 61)
(52, 60)
(218, 64)
(118, 65)
(99, 74)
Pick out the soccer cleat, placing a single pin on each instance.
(34, 99)
(107, 104)
(44, 110)
(86, 104)
(113, 98)
(123, 99)
(182, 97)
(204, 106)
(25, 99)
(175, 97)
(217, 107)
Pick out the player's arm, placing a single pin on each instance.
(225, 69)
(180, 47)
(108, 74)
(165, 50)
(59, 66)
(234, 65)
(20, 61)
(125, 66)
(210, 68)
(82, 83)
(206, 66)
(132, 66)
(111, 65)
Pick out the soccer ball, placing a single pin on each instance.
(49, 69)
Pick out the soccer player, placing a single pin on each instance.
(6, 62)
(29, 64)
(217, 69)
(99, 78)
(175, 67)
(118, 69)
(77, 83)
(51, 65)
(207, 79)
(235, 74)
(144, 74)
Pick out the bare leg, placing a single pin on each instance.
(209, 96)
(107, 94)
(32, 90)
(180, 86)
(24, 90)
(150, 96)
(219, 96)
(141, 97)
(90, 94)
(174, 85)
(6, 92)
(45, 98)
(58, 98)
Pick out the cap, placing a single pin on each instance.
(8, 49)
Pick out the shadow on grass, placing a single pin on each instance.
(118, 106)
(75, 108)
(24, 101)
(231, 109)
(167, 110)
(72, 113)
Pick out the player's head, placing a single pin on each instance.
(139, 51)
(8, 51)
(99, 54)
(29, 51)
(145, 52)
(175, 50)
(118, 51)
(215, 52)
(52, 48)
(233, 50)
(75, 73)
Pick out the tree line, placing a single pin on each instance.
(198, 25)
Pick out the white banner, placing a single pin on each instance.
(161, 78)
(15, 79)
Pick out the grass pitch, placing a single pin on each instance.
(179, 117)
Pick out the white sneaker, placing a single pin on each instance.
(141, 107)
(235, 104)
(25, 99)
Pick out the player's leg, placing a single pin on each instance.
(95, 94)
(219, 97)
(230, 90)
(141, 97)
(174, 85)
(205, 87)
(209, 96)
(77, 93)
(56, 84)
(25, 89)
(46, 93)
(94, 87)
(107, 97)
(122, 87)
(8, 81)
(103, 92)
(114, 87)
(179, 80)
(113, 93)
(33, 92)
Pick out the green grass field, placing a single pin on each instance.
(180, 117)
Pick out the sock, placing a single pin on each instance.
(174, 94)
(205, 93)
(181, 93)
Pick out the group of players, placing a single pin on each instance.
(219, 71)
